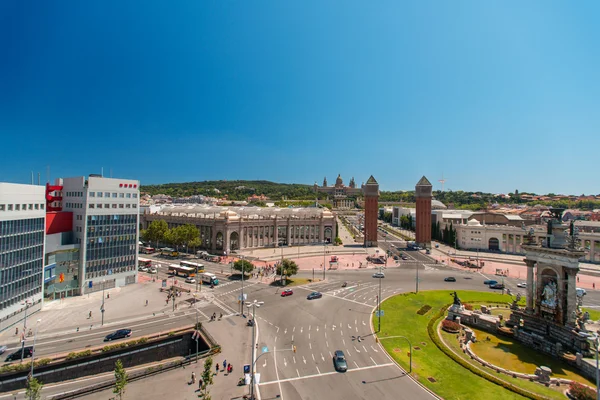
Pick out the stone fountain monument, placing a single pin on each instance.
(552, 321)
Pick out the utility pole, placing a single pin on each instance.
(242, 296)
(379, 303)
(102, 307)
(33, 349)
(254, 304)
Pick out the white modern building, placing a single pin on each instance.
(22, 232)
(106, 227)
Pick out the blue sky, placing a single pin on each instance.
(495, 95)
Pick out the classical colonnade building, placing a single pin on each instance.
(226, 229)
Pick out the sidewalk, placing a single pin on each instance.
(233, 336)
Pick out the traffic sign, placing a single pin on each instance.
(245, 297)
(265, 349)
(90, 284)
(247, 369)
(379, 313)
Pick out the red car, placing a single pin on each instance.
(287, 292)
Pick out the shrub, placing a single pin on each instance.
(450, 326)
(73, 355)
(468, 306)
(581, 392)
(423, 310)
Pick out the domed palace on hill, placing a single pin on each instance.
(343, 197)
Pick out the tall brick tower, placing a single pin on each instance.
(371, 193)
(423, 191)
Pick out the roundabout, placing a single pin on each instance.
(445, 366)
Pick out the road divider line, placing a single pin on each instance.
(373, 360)
(323, 374)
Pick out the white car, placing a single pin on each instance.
(378, 275)
(143, 269)
(522, 284)
(190, 280)
(153, 270)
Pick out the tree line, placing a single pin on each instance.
(183, 235)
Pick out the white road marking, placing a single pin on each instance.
(318, 370)
(285, 332)
(330, 355)
(309, 336)
(322, 358)
(347, 352)
(284, 362)
(310, 345)
(349, 327)
(298, 372)
(325, 334)
(313, 356)
(292, 338)
(327, 343)
(276, 338)
(277, 329)
(376, 351)
(357, 329)
(317, 329)
(373, 360)
(365, 349)
(265, 363)
(356, 364)
(344, 341)
(294, 357)
(333, 328)
(357, 350)
(309, 327)
(304, 359)
(294, 329)
(355, 323)
(300, 329)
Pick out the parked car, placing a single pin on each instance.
(287, 292)
(396, 258)
(314, 295)
(190, 280)
(339, 361)
(120, 334)
(378, 275)
(450, 279)
(2, 349)
(489, 282)
(522, 284)
(27, 352)
(404, 257)
(497, 286)
(153, 270)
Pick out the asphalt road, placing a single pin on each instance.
(316, 327)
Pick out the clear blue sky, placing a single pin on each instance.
(495, 95)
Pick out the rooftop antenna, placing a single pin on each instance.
(442, 181)
(102, 172)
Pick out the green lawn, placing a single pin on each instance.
(452, 381)
(594, 314)
(508, 353)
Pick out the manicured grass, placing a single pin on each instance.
(452, 380)
(552, 392)
(508, 353)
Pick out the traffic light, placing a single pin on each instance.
(61, 277)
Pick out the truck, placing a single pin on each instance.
(209, 278)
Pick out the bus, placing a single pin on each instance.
(147, 250)
(197, 266)
(186, 272)
(144, 263)
(169, 252)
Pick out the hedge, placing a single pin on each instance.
(435, 338)
(424, 310)
(124, 344)
(581, 392)
(73, 355)
(24, 366)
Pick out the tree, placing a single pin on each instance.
(245, 264)
(207, 378)
(195, 243)
(120, 379)
(289, 268)
(156, 231)
(337, 241)
(34, 389)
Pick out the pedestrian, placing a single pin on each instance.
(146, 303)
(90, 316)
(217, 369)
(193, 377)
(224, 364)
(593, 285)
(229, 368)
(200, 384)
(16, 330)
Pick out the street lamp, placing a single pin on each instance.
(196, 327)
(24, 333)
(33, 348)
(254, 305)
(242, 296)
(379, 302)
(324, 250)
(102, 307)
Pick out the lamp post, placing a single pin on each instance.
(24, 333)
(102, 306)
(281, 266)
(324, 250)
(379, 303)
(33, 348)
(242, 296)
(196, 327)
(254, 304)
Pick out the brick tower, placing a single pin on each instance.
(371, 193)
(423, 191)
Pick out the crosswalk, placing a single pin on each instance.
(357, 292)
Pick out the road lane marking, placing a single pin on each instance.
(344, 341)
(313, 356)
(366, 351)
(304, 359)
(277, 329)
(310, 345)
(330, 355)
(294, 329)
(333, 327)
(318, 370)
(285, 331)
(292, 338)
(347, 352)
(300, 329)
(323, 374)
(327, 343)
(373, 360)
(357, 350)
(355, 323)
(322, 358)
(309, 336)
(294, 357)
(349, 327)
(276, 370)
(356, 364)
(284, 362)
(276, 338)
(298, 372)
(309, 327)
(265, 363)
(317, 328)
(357, 329)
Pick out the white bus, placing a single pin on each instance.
(199, 268)
(186, 272)
(144, 263)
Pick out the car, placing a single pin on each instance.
(378, 275)
(339, 361)
(450, 279)
(497, 286)
(190, 280)
(27, 352)
(522, 284)
(153, 270)
(2, 349)
(120, 334)
(314, 295)
(287, 292)
(404, 257)
(396, 258)
(143, 269)
(489, 282)
(580, 292)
